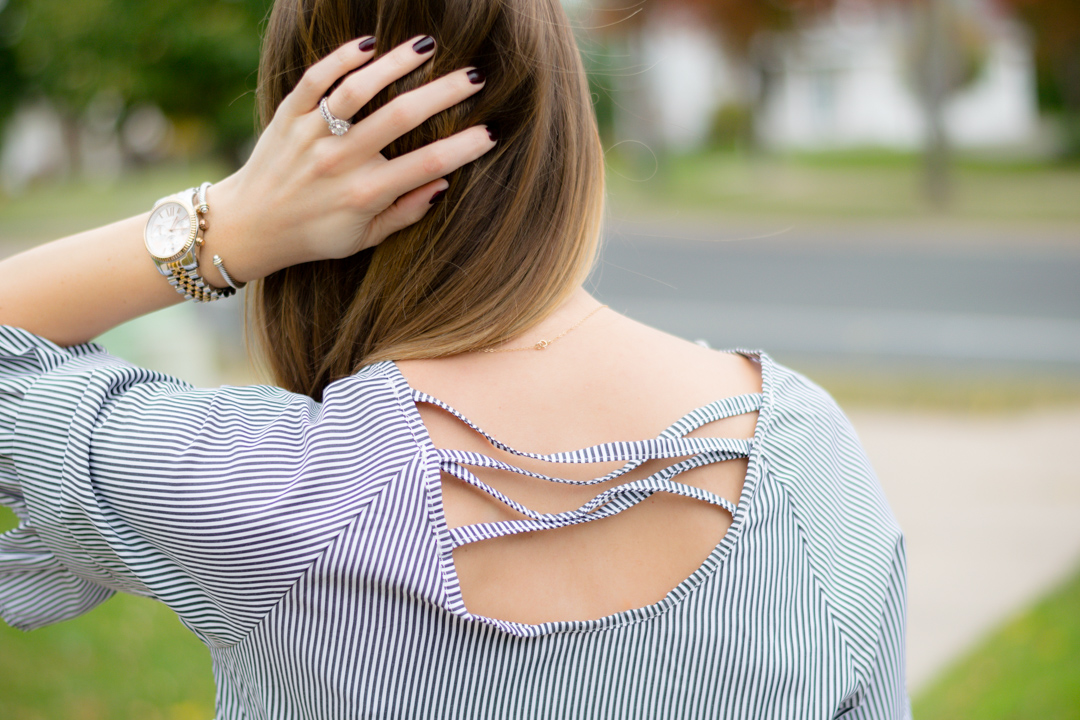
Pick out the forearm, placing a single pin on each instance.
(71, 290)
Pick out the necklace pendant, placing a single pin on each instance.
(542, 344)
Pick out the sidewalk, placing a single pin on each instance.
(990, 507)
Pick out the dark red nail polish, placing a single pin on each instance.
(492, 133)
(476, 76)
(367, 44)
(424, 44)
(437, 196)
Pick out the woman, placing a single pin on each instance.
(349, 542)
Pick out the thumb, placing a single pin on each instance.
(406, 210)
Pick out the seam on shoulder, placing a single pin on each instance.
(819, 585)
(836, 618)
(331, 540)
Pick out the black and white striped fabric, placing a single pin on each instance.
(305, 544)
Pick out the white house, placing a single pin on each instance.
(843, 82)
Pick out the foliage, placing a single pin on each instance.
(1030, 668)
(732, 127)
(195, 59)
(600, 65)
(11, 83)
(1055, 25)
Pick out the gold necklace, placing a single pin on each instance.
(544, 343)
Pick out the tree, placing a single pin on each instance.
(11, 81)
(195, 59)
(1055, 25)
(945, 56)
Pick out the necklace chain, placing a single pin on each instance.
(544, 343)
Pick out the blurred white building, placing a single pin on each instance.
(33, 144)
(848, 82)
(844, 82)
(686, 77)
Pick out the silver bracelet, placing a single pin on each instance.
(202, 209)
(220, 265)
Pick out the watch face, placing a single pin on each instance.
(169, 230)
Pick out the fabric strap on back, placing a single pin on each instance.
(671, 443)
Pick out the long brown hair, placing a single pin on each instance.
(518, 229)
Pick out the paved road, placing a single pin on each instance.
(990, 295)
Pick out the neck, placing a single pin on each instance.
(572, 310)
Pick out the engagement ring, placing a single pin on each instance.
(337, 125)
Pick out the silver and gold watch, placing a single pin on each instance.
(173, 236)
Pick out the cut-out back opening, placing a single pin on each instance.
(532, 546)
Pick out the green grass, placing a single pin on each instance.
(969, 393)
(128, 658)
(1028, 670)
(852, 185)
(48, 211)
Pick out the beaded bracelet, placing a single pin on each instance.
(202, 209)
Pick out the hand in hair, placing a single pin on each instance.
(307, 195)
(304, 195)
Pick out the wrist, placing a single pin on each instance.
(248, 250)
(225, 235)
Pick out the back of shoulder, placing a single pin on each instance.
(812, 451)
(811, 445)
(849, 534)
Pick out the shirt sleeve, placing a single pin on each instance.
(884, 695)
(850, 535)
(213, 501)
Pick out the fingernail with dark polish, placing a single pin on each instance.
(424, 44)
(476, 76)
(493, 133)
(437, 196)
(367, 44)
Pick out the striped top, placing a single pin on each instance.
(305, 544)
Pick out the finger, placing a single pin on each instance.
(403, 173)
(408, 110)
(406, 210)
(357, 90)
(318, 78)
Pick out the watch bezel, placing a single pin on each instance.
(193, 232)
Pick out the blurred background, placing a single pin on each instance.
(883, 194)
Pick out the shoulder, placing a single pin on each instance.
(812, 449)
(84, 396)
(797, 401)
(811, 443)
(849, 532)
(251, 420)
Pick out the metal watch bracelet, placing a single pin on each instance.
(183, 272)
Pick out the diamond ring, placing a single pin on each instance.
(337, 125)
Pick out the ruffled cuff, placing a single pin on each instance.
(36, 589)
